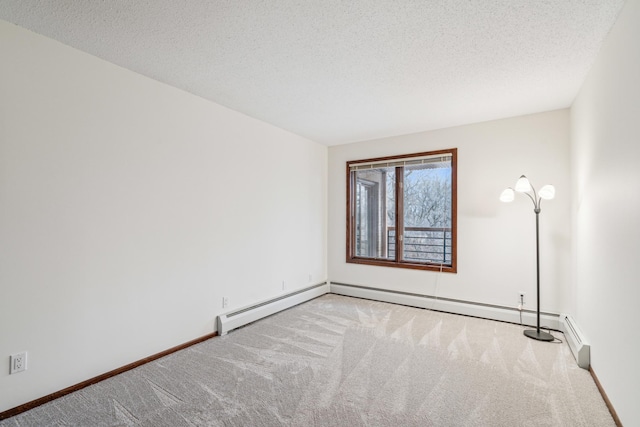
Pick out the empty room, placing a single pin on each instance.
(308, 213)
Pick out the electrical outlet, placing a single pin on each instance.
(225, 302)
(18, 362)
(521, 301)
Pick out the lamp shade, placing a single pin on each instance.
(523, 185)
(547, 192)
(507, 195)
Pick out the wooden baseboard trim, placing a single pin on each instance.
(606, 399)
(35, 403)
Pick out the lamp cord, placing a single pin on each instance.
(556, 340)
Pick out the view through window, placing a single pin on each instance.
(402, 211)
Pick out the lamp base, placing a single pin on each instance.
(539, 335)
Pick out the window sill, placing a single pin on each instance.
(404, 264)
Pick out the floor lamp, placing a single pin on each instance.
(547, 192)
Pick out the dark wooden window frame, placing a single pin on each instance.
(398, 262)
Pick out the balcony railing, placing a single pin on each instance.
(422, 244)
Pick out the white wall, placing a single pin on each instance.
(606, 212)
(496, 241)
(128, 209)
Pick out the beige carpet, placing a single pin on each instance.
(340, 361)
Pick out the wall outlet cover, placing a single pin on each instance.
(18, 362)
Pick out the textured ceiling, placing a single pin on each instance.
(343, 71)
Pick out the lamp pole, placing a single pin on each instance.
(538, 334)
(546, 192)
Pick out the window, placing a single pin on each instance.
(401, 211)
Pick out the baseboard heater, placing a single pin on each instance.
(229, 321)
(579, 347)
(468, 308)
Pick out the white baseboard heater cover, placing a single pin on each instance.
(575, 338)
(468, 308)
(229, 321)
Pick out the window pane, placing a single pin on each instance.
(374, 211)
(427, 213)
